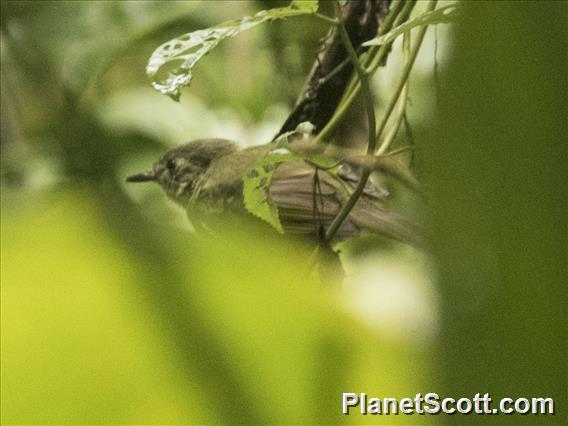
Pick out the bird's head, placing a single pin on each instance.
(179, 169)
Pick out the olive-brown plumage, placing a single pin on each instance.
(206, 175)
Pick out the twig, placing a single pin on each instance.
(399, 151)
(401, 102)
(348, 206)
(400, 19)
(325, 18)
(400, 11)
(409, 136)
(317, 102)
(405, 74)
(364, 80)
(375, 55)
(334, 72)
(389, 166)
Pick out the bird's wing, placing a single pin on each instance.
(368, 214)
(351, 176)
(308, 201)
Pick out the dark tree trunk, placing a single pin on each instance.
(317, 102)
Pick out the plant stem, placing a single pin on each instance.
(334, 72)
(400, 19)
(354, 86)
(389, 138)
(325, 18)
(348, 206)
(405, 74)
(399, 150)
(364, 79)
(371, 144)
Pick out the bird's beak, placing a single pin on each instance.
(147, 176)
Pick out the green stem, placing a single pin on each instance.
(399, 151)
(364, 81)
(348, 206)
(375, 54)
(389, 138)
(402, 17)
(325, 18)
(337, 116)
(392, 19)
(403, 80)
(334, 72)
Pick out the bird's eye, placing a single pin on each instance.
(171, 165)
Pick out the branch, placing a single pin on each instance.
(348, 206)
(364, 80)
(332, 71)
(376, 57)
(402, 98)
(403, 80)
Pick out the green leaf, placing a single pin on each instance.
(256, 188)
(171, 65)
(442, 15)
(256, 193)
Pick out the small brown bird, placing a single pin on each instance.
(206, 175)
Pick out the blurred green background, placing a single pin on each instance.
(113, 312)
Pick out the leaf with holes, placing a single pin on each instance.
(256, 194)
(170, 67)
(256, 183)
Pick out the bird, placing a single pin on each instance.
(205, 177)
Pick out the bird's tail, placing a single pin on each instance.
(370, 215)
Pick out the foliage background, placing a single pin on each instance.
(110, 314)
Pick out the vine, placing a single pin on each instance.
(399, 96)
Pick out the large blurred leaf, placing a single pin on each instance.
(79, 345)
(89, 326)
(171, 65)
(497, 174)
